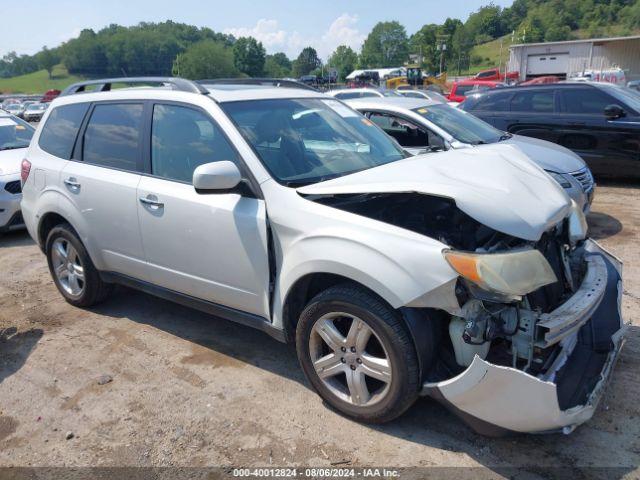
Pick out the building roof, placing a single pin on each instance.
(586, 40)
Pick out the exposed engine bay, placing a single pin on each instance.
(536, 333)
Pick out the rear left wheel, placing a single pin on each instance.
(72, 270)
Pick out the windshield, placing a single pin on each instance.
(461, 125)
(626, 95)
(14, 133)
(390, 93)
(304, 141)
(35, 106)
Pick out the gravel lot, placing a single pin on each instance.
(143, 382)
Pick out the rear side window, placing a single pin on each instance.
(585, 100)
(532, 101)
(497, 102)
(348, 95)
(112, 136)
(182, 139)
(60, 132)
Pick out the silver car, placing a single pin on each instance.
(463, 275)
(15, 136)
(420, 126)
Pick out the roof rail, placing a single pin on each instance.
(104, 85)
(270, 82)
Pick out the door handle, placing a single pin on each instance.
(72, 183)
(152, 202)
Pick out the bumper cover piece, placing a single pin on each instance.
(590, 331)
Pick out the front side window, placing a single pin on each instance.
(112, 137)
(532, 101)
(14, 133)
(59, 133)
(347, 95)
(182, 139)
(496, 102)
(303, 141)
(461, 125)
(407, 133)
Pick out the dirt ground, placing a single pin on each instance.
(190, 389)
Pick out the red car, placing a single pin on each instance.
(50, 95)
(542, 80)
(461, 89)
(496, 75)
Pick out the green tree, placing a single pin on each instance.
(47, 59)
(249, 56)
(277, 65)
(344, 60)
(386, 46)
(205, 59)
(306, 62)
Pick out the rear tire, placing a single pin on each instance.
(72, 270)
(356, 352)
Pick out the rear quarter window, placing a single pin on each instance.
(61, 129)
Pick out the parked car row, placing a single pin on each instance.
(28, 110)
(464, 273)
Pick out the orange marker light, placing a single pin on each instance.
(465, 265)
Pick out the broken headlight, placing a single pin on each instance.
(512, 273)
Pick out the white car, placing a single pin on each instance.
(424, 95)
(420, 126)
(350, 93)
(464, 275)
(34, 112)
(15, 136)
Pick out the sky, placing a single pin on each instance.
(281, 25)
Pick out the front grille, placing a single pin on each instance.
(13, 187)
(16, 220)
(585, 178)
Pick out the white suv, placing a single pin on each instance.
(463, 275)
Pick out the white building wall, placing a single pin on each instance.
(585, 55)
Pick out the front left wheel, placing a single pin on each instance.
(356, 352)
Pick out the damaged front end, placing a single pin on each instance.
(531, 329)
(538, 363)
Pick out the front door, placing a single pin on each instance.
(211, 246)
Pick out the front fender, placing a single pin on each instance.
(394, 277)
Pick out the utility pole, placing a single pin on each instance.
(500, 60)
(441, 45)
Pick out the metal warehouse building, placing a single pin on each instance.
(575, 56)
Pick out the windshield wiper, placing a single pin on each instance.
(14, 147)
(506, 136)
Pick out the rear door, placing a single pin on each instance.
(101, 183)
(211, 246)
(534, 113)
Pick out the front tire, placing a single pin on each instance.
(72, 270)
(356, 352)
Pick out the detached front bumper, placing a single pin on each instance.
(496, 400)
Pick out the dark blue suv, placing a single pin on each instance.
(598, 121)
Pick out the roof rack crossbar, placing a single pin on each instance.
(104, 84)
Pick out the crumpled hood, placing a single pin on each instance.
(549, 156)
(496, 185)
(10, 160)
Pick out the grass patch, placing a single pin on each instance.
(38, 82)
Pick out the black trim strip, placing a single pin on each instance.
(228, 313)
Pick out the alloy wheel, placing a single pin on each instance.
(350, 359)
(67, 267)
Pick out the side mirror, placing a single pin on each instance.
(612, 112)
(222, 175)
